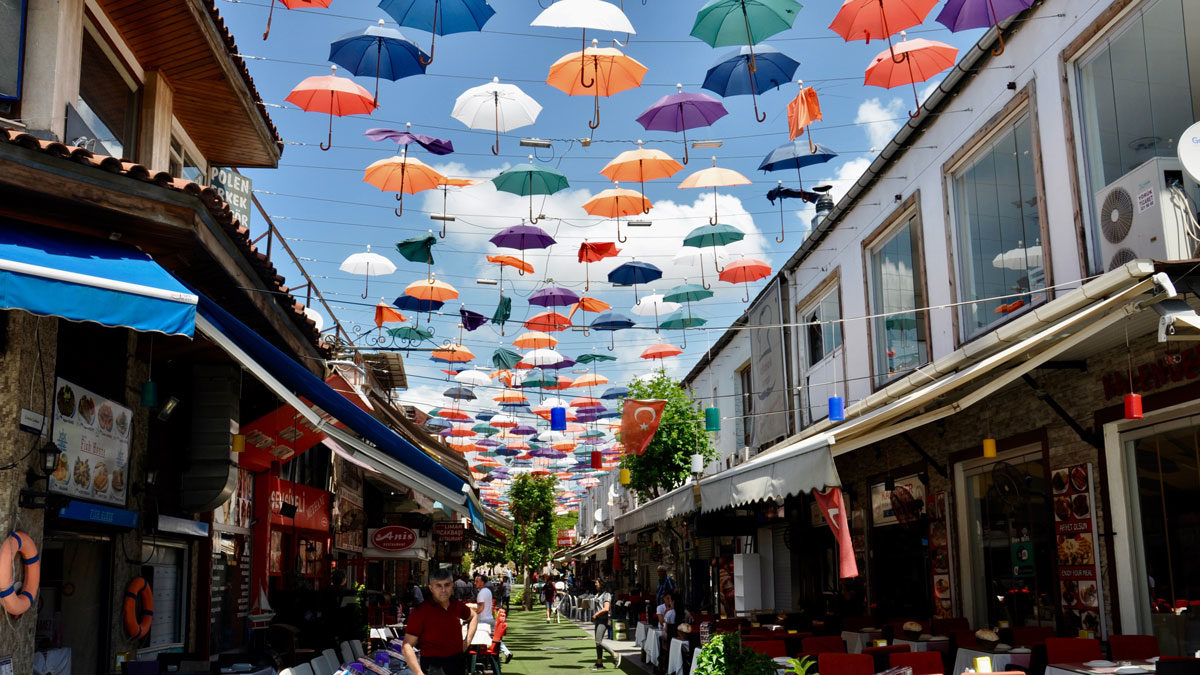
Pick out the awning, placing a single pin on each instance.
(388, 452)
(86, 279)
(801, 467)
(339, 450)
(677, 502)
(605, 541)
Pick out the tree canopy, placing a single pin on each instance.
(531, 502)
(667, 462)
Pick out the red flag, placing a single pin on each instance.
(835, 514)
(639, 421)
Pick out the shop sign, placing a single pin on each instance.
(883, 507)
(566, 537)
(1077, 549)
(235, 189)
(449, 531)
(393, 538)
(312, 506)
(277, 436)
(1147, 377)
(92, 434)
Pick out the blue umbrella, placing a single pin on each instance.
(460, 393)
(384, 51)
(485, 415)
(634, 272)
(614, 393)
(795, 155)
(732, 76)
(438, 423)
(440, 17)
(611, 321)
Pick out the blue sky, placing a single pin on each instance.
(318, 199)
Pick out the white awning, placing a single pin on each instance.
(675, 503)
(602, 543)
(800, 467)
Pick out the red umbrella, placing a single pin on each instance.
(292, 4)
(595, 252)
(875, 19)
(745, 271)
(661, 350)
(334, 95)
(548, 322)
(920, 59)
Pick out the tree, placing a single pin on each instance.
(531, 502)
(667, 462)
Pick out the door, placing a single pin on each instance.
(74, 601)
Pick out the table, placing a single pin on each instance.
(675, 657)
(651, 647)
(925, 645)
(639, 634)
(857, 640)
(482, 637)
(1080, 669)
(1000, 660)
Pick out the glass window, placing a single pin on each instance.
(746, 397)
(182, 165)
(107, 103)
(998, 231)
(165, 567)
(824, 327)
(895, 285)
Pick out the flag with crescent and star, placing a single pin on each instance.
(639, 421)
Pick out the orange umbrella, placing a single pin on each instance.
(535, 340)
(588, 305)
(401, 174)
(594, 252)
(548, 321)
(564, 382)
(590, 380)
(453, 354)
(517, 445)
(453, 414)
(873, 19)
(616, 202)
(385, 313)
(511, 261)
(714, 177)
(745, 271)
(803, 111)
(585, 402)
(334, 95)
(431, 290)
(920, 59)
(641, 165)
(510, 396)
(609, 69)
(462, 431)
(661, 350)
(292, 4)
(445, 184)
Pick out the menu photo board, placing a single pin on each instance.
(92, 434)
(939, 555)
(1077, 553)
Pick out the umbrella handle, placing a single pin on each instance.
(496, 146)
(612, 340)
(532, 221)
(442, 234)
(378, 63)
(705, 284)
(716, 217)
(329, 142)
(432, 37)
(757, 116)
(782, 234)
(399, 210)
(366, 286)
(684, 346)
(1000, 37)
(747, 298)
(270, 15)
(594, 123)
(685, 147)
(812, 148)
(716, 266)
(587, 279)
(583, 64)
(916, 97)
(619, 238)
(643, 182)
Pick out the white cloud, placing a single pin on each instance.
(841, 181)
(880, 121)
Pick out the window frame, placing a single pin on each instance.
(102, 32)
(907, 214)
(812, 303)
(1023, 104)
(745, 393)
(182, 592)
(830, 284)
(23, 21)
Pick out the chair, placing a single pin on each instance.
(881, 654)
(321, 666)
(332, 658)
(772, 648)
(944, 626)
(1028, 636)
(1072, 650)
(356, 649)
(1178, 666)
(823, 644)
(347, 653)
(491, 653)
(922, 663)
(1132, 647)
(302, 669)
(831, 663)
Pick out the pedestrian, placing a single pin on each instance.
(436, 627)
(415, 594)
(602, 604)
(462, 587)
(665, 585)
(505, 590)
(548, 595)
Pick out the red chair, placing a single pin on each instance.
(845, 664)
(728, 625)
(490, 655)
(772, 648)
(922, 663)
(823, 644)
(1029, 636)
(1072, 650)
(964, 638)
(1133, 647)
(880, 654)
(945, 626)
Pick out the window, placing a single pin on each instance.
(12, 49)
(824, 330)
(821, 337)
(182, 165)
(746, 398)
(107, 104)
(165, 567)
(896, 292)
(998, 230)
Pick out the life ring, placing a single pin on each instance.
(138, 591)
(18, 602)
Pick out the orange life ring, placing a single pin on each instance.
(138, 590)
(18, 602)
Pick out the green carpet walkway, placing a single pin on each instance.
(540, 648)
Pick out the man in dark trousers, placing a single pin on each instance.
(436, 628)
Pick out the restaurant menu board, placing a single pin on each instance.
(92, 434)
(237, 512)
(1076, 545)
(939, 555)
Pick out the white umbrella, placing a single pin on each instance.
(495, 107)
(552, 437)
(504, 419)
(1019, 259)
(542, 357)
(367, 264)
(473, 378)
(554, 402)
(654, 305)
(585, 14)
(693, 259)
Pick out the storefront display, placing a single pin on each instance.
(92, 434)
(230, 568)
(1078, 555)
(939, 556)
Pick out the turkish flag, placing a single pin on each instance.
(835, 514)
(639, 421)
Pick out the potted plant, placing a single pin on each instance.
(725, 653)
(800, 666)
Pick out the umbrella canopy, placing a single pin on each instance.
(453, 414)
(535, 340)
(745, 271)
(485, 429)
(713, 235)
(593, 357)
(402, 174)
(522, 237)
(460, 393)
(471, 320)
(585, 402)
(959, 15)
(590, 252)
(509, 396)
(654, 305)
(553, 296)
(495, 107)
(504, 421)
(590, 380)
(680, 321)
(453, 354)
(714, 177)
(416, 305)
(548, 321)
(919, 60)
(542, 357)
(796, 155)
(682, 111)
(292, 4)
(530, 179)
(410, 334)
(585, 14)
(613, 393)
(436, 146)
(431, 290)
(333, 95)
(641, 165)
(722, 23)
(378, 51)
(616, 202)
(634, 272)
(596, 71)
(385, 314)
(367, 264)
(511, 261)
(661, 350)
(587, 304)
(473, 378)
(874, 19)
(732, 75)
(417, 249)
(612, 321)
(688, 293)
(440, 17)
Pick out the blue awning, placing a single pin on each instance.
(86, 279)
(400, 458)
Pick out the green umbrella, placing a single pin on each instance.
(539, 379)
(411, 334)
(688, 293)
(503, 311)
(714, 236)
(530, 179)
(592, 356)
(418, 249)
(505, 358)
(592, 434)
(722, 23)
(678, 321)
(485, 429)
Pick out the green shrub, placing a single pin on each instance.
(725, 654)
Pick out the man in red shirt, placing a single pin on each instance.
(436, 629)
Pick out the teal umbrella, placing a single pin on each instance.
(485, 429)
(594, 357)
(678, 321)
(531, 179)
(503, 311)
(713, 236)
(420, 250)
(687, 293)
(411, 334)
(723, 23)
(505, 358)
(539, 378)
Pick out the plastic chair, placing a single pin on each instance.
(823, 644)
(321, 666)
(1132, 647)
(332, 657)
(880, 655)
(922, 663)
(347, 653)
(832, 663)
(1072, 650)
(302, 669)
(1029, 636)
(490, 654)
(772, 648)
(356, 649)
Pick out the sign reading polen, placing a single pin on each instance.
(235, 189)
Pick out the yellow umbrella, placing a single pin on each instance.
(431, 290)
(609, 69)
(714, 177)
(402, 174)
(641, 165)
(616, 202)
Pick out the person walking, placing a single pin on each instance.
(436, 627)
(503, 590)
(602, 605)
(548, 595)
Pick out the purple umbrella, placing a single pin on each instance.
(554, 296)
(522, 237)
(565, 363)
(680, 112)
(487, 443)
(437, 146)
(548, 453)
(523, 430)
(471, 320)
(959, 15)
(507, 451)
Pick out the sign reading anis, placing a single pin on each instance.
(393, 538)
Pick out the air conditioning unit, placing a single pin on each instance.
(1138, 216)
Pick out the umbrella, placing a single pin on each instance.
(745, 271)
(661, 351)
(436, 146)
(511, 261)
(505, 358)
(722, 23)
(379, 50)
(509, 396)
(714, 177)
(654, 305)
(1019, 259)
(535, 340)
(495, 107)
(593, 357)
(453, 353)
(503, 311)
(385, 314)
(417, 249)
(554, 296)
(590, 380)
(485, 429)
(529, 179)
(688, 293)
(460, 393)
(678, 321)
(793, 155)
(542, 357)
(921, 59)
(616, 202)
(440, 17)
(453, 414)
(471, 320)
(367, 264)
(733, 76)
(609, 70)
(334, 95)
(873, 19)
(539, 378)
(641, 165)
(410, 334)
(612, 321)
(958, 15)
(431, 290)
(595, 252)
(292, 4)
(803, 111)
(713, 236)
(402, 174)
(473, 378)
(585, 14)
(613, 393)
(634, 272)
(680, 112)
(485, 415)
(416, 305)
(438, 423)
(562, 381)
(445, 184)
(548, 321)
